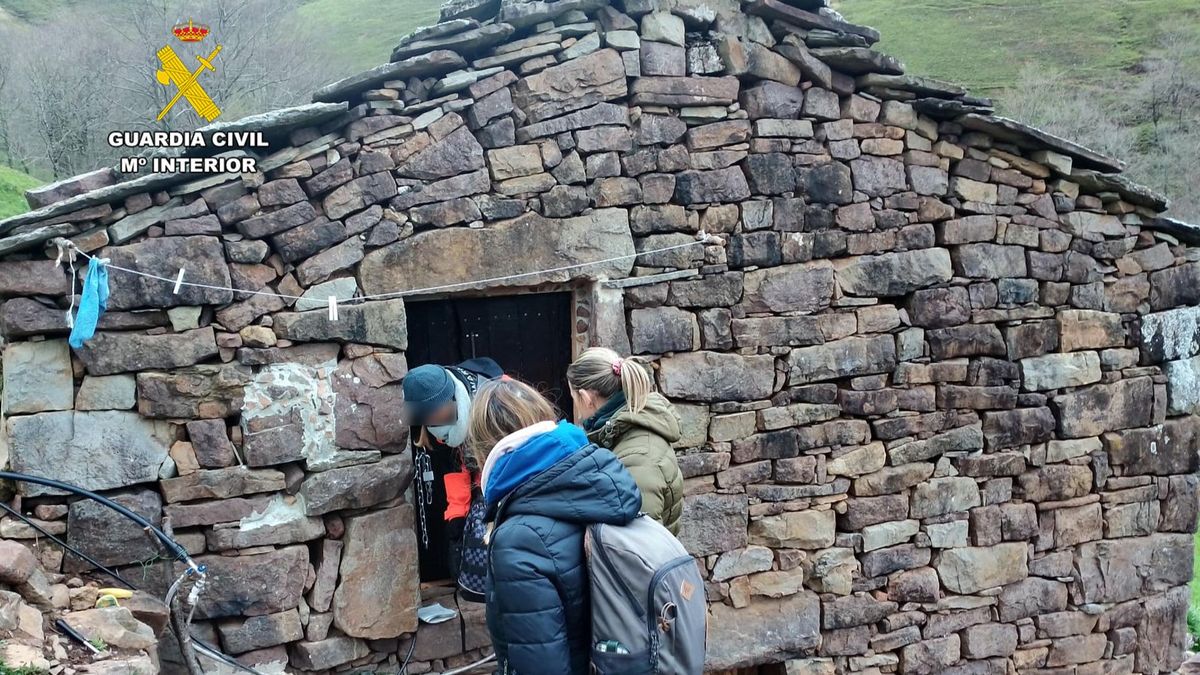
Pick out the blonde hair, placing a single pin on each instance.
(501, 407)
(603, 371)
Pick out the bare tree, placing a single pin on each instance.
(64, 88)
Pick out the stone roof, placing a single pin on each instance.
(478, 38)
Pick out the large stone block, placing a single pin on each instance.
(805, 288)
(1166, 621)
(1175, 287)
(940, 307)
(281, 521)
(33, 277)
(930, 656)
(356, 487)
(944, 495)
(1127, 569)
(712, 376)
(468, 255)
(711, 187)
(222, 484)
(204, 392)
(1014, 428)
(892, 274)
(98, 450)
(1170, 335)
(714, 523)
(1056, 482)
(659, 330)
(796, 529)
(1183, 386)
(1059, 371)
(38, 377)
(1165, 449)
(457, 153)
(379, 592)
(253, 585)
(1089, 329)
(112, 540)
(1094, 410)
(110, 353)
(764, 632)
(260, 632)
(842, 358)
(368, 394)
(970, 570)
(371, 189)
(201, 258)
(381, 322)
(576, 84)
(968, 340)
(879, 176)
(110, 392)
(962, 439)
(217, 511)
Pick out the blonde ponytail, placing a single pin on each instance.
(603, 371)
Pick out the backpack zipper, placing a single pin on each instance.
(652, 617)
(612, 571)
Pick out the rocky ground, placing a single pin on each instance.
(31, 601)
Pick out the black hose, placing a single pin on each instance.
(171, 545)
(80, 554)
(412, 645)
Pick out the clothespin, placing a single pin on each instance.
(178, 282)
(333, 308)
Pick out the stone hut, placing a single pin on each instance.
(937, 372)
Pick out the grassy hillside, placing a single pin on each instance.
(13, 184)
(29, 10)
(367, 30)
(985, 43)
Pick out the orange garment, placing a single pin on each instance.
(458, 494)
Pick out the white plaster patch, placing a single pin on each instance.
(279, 511)
(283, 388)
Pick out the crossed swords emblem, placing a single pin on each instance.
(187, 82)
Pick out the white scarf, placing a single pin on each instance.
(454, 435)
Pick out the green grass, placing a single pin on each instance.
(13, 184)
(6, 669)
(365, 31)
(30, 10)
(1193, 615)
(984, 44)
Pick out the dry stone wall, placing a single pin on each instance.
(938, 379)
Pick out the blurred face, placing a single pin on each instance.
(443, 416)
(586, 403)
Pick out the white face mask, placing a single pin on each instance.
(454, 435)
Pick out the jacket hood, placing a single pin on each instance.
(586, 485)
(658, 417)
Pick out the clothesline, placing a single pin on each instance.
(179, 281)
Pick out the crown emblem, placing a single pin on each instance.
(190, 32)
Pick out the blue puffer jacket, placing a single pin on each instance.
(544, 488)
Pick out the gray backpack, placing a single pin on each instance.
(649, 612)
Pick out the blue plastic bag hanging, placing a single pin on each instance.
(93, 303)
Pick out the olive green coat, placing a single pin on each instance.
(642, 442)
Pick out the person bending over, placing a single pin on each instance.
(543, 484)
(616, 407)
